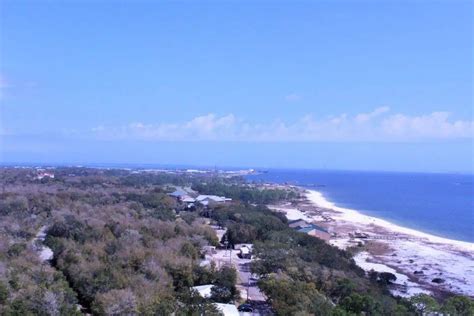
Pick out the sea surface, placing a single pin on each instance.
(438, 204)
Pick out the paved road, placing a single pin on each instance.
(246, 283)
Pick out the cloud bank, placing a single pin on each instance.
(380, 125)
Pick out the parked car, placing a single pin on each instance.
(245, 308)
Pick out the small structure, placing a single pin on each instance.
(187, 199)
(227, 309)
(298, 223)
(245, 250)
(359, 234)
(208, 250)
(206, 199)
(183, 197)
(178, 193)
(245, 253)
(204, 290)
(316, 231)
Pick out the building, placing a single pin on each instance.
(227, 309)
(178, 193)
(359, 234)
(316, 231)
(44, 174)
(204, 290)
(208, 250)
(245, 253)
(207, 199)
(298, 223)
(183, 197)
(245, 250)
(187, 199)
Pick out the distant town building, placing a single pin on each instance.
(44, 174)
(183, 197)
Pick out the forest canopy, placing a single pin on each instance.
(122, 245)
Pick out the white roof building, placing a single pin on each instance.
(227, 309)
(204, 290)
(245, 250)
(188, 199)
(42, 175)
(212, 198)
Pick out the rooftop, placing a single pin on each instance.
(296, 221)
(204, 290)
(227, 309)
(178, 193)
(312, 227)
(214, 198)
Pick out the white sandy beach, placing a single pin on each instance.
(405, 250)
(409, 251)
(354, 216)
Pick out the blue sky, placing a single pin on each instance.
(328, 84)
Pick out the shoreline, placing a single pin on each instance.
(415, 257)
(356, 216)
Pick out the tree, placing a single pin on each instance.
(387, 278)
(344, 288)
(289, 297)
(241, 233)
(3, 293)
(459, 306)
(226, 278)
(116, 302)
(221, 294)
(424, 303)
(360, 303)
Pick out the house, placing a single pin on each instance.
(187, 199)
(227, 309)
(298, 223)
(178, 193)
(183, 197)
(206, 199)
(204, 290)
(316, 231)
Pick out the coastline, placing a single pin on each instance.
(417, 258)
(355, 216)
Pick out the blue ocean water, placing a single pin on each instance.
(439, 204)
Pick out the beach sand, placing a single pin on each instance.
(415, 257)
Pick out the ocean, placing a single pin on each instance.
(438, 204)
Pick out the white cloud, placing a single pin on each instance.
(378, 125)
(293, 97)
(364, 117)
